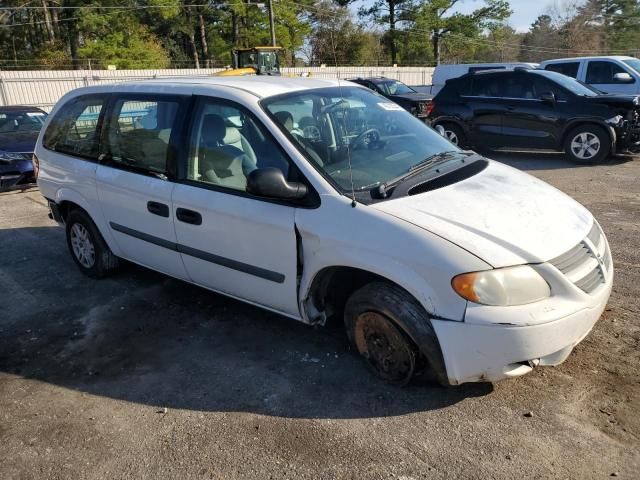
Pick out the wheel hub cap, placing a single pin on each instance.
(82, 245)
(585, 145)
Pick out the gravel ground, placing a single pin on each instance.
(143, 376)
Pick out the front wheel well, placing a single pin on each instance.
(571, 127)
(332, 287)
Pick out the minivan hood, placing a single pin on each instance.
(501, 215)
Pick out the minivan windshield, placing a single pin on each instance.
(341, 127)
(571, 84)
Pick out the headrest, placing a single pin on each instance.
(213, 129)
(286, 119)
(232, 136)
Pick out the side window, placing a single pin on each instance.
(486, 86)
(569, 69)
(539, 86)
(74, 130)
(602, 72)
(227, 144)
(139, 131)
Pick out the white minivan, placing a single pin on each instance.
(320, 199)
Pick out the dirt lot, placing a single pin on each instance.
(143, 376)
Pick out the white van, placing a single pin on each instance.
(319, 199)
(442, 73)
(613, 74)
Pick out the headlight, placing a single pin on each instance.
(502, 286)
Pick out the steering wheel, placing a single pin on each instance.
(367, 138)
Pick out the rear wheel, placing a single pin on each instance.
(88, 249)
(454, 134)
(374, 315)
(587, 144)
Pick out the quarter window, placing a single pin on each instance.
(602, 72)
(74, 130)
(569, 68)
(139, 133)
(227, 144)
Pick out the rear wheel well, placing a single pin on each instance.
(66, 207)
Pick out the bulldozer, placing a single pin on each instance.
(254, 61)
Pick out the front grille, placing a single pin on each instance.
(587, 264)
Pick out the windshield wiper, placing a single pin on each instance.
(384, 188)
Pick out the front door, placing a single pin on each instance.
(230, 241)
(529, 121)
(133, 180)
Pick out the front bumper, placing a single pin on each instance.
(494, 343)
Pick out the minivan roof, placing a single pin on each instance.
(258, 85)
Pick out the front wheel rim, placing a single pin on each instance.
(384, 348)
(82, 245)
(585, 146)
(451, 136)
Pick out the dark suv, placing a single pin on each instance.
(413, 102)
(524, 108)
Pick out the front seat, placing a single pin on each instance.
(222, 164)
(234, 138)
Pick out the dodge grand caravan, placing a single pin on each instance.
(320, 200)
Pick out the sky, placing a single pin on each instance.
(524, 11)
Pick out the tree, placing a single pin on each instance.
(392, 13)
(542, 42)
(336, 39)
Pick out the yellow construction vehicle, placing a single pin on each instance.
(254, 61)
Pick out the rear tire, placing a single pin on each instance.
(454, 134)
(88, 249)
(374, 319)
(587, 144)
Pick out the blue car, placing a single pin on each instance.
(19, 128)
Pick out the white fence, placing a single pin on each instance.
(43, 88)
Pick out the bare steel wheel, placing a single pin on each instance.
(82, 246)
(587, 144)
(393, 333)
(385, 348)
(88, 249)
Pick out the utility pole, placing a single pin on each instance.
(271, 24)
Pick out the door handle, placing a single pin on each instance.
(511, 108)
(158, 208)
(188, 216)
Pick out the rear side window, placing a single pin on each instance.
(569, 69)
(138, 133)
(75, 129)
(602, 72)
(486, 86)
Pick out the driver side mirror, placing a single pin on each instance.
(623, 77)
(548, 97)
(269, 182)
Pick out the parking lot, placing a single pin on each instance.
(143, 376)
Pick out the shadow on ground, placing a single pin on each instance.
(144, 337)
